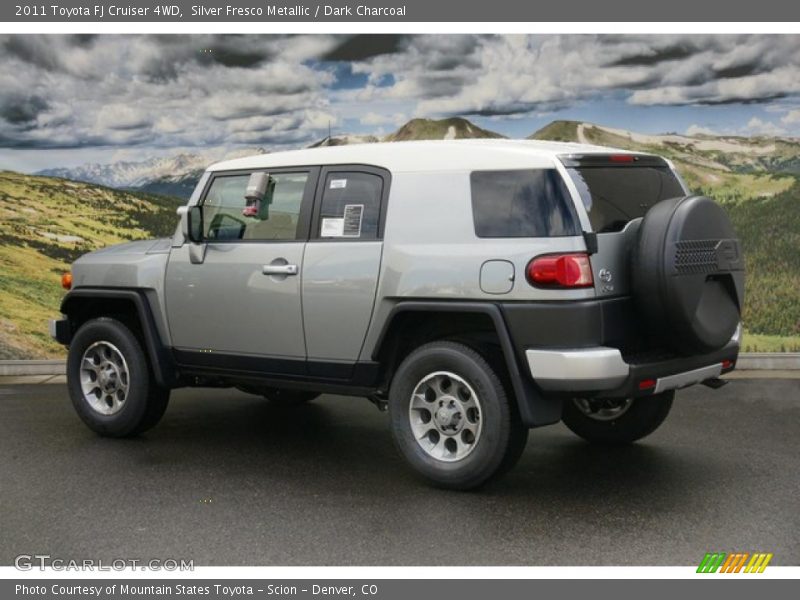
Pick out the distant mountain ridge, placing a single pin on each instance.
(169, 176)
(727, 153)
(130, 174)
(177, 175)
(704, 158)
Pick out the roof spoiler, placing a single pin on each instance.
(612, 160)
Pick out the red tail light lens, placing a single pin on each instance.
(561, 271)
(622, 158)
(66, 281)
(647, 384)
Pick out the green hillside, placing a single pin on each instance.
(757, 181)
(46, 224)
(454, 128)
(557, 131)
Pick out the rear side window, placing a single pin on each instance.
(351, 205)
(522, 203)
(613, 196)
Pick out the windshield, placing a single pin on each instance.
(613, 196)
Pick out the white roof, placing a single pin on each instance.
(433, 155)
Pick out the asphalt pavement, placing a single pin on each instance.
(228, 479)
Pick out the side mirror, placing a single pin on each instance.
(257, 195)
(191, 223)
(256, 187)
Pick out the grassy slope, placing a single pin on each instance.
(429, 129)
(762, 195)
(46, 224)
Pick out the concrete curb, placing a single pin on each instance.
(33, 367)
(769, 360)
(748, 361)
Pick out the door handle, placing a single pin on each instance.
(279, 270)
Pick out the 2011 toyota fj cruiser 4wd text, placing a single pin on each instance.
(476, 288)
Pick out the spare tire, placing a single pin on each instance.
(687, 274)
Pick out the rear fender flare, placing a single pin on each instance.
(535, 409)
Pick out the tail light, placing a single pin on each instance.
(622, 158)
(647, 384)
(66, 281)
(560, 271)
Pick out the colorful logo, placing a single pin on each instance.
(735, 562)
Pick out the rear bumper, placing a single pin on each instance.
(601, 348)
(602, 371)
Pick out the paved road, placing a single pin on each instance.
(226, 479)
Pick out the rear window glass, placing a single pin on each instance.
(522, 203)
(613, 196)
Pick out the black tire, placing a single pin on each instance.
(642, 418)
(502, 436)
(289, 397)
(146, 401)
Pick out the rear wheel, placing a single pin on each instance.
(451, 418)
(617, 421)
(110, 382)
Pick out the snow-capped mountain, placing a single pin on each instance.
(171, 175)
(132, 174)
(177, 175)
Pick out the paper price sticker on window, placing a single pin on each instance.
(353, 214)
(338, 184)
(332, 228)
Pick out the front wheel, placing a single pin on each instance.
(110, 382)
(451, 417)
(617, 421)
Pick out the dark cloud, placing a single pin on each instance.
(22, 111)
(737, 71)
(658, 55)
(33, 50)
(763, 99)
(365, 46)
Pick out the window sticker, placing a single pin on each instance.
(332, 227)
(353, 214)
(338, 184)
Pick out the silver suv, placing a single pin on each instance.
(476, 289)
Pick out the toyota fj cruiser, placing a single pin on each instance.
(475, 288)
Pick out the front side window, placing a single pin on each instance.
(351, 206)
(226, 215)
(522, 203)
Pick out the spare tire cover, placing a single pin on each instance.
(687, 273)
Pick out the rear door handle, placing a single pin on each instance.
(279, 270)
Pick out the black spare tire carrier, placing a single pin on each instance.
(687, 272)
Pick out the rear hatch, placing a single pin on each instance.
(617, 190)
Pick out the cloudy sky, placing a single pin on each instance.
(66, 100)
